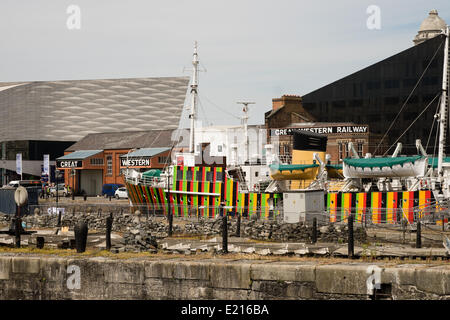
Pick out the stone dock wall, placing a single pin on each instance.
(50, 277)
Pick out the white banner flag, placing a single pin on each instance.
(46, 169)
(19, 163)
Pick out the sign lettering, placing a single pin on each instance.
(321, 130)
(141, 162)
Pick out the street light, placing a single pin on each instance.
(57, 176)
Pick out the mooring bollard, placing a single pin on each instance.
(351, 246)
(238, 225)
(170, 218)
(40, 242)
(109, 222)
(314, 231)
(224, 231)
(418, 236)
(81, 232)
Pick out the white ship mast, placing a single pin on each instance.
(443, 113)
(245, 123)
(194, 86)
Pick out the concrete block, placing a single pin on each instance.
(54, 269)
(124, 272)
(159, 269)
(5, 268)
(342, 279)
(124, 291)
(230, 275)
(156, 288)
(191, 270)
(404, 275)
(25, 265)
(283, 272)
(433, 280)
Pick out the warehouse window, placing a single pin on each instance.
(109, 165)
(96, 161)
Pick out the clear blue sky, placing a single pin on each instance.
(252, 49)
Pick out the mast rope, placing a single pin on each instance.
(429, 104)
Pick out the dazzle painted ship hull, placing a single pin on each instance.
(199, 191)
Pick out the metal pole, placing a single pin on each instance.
(238, 224)
(443, 116)
(224, 230)
(418, 236)
(169, 211)
(73, 184)
(351, 251)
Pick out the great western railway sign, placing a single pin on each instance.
(69, 163)
(135, 162)
(322, 130)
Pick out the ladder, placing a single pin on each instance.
(242, 183)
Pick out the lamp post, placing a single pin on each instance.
(57, 176)
(169, 211)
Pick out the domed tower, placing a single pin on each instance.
(430, 27)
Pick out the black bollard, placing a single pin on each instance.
(170, 220)
(351, 246)
(224, 231)
(40, 242)
(81, 232)
(84, 197)
(418, 236)
(109, 222)
(314, 231)
(238, 225)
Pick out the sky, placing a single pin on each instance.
(249, 50)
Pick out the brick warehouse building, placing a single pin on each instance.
(101, 158)
(288, 115)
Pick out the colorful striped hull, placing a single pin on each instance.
(379, 207)
(204, 180)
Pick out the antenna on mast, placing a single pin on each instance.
(194, 93)
(244, 120)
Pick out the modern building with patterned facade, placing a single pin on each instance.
(390, 94)
(46, 117)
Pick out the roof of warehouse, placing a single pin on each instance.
(145, 152)
(125, 140)
(79, 155)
